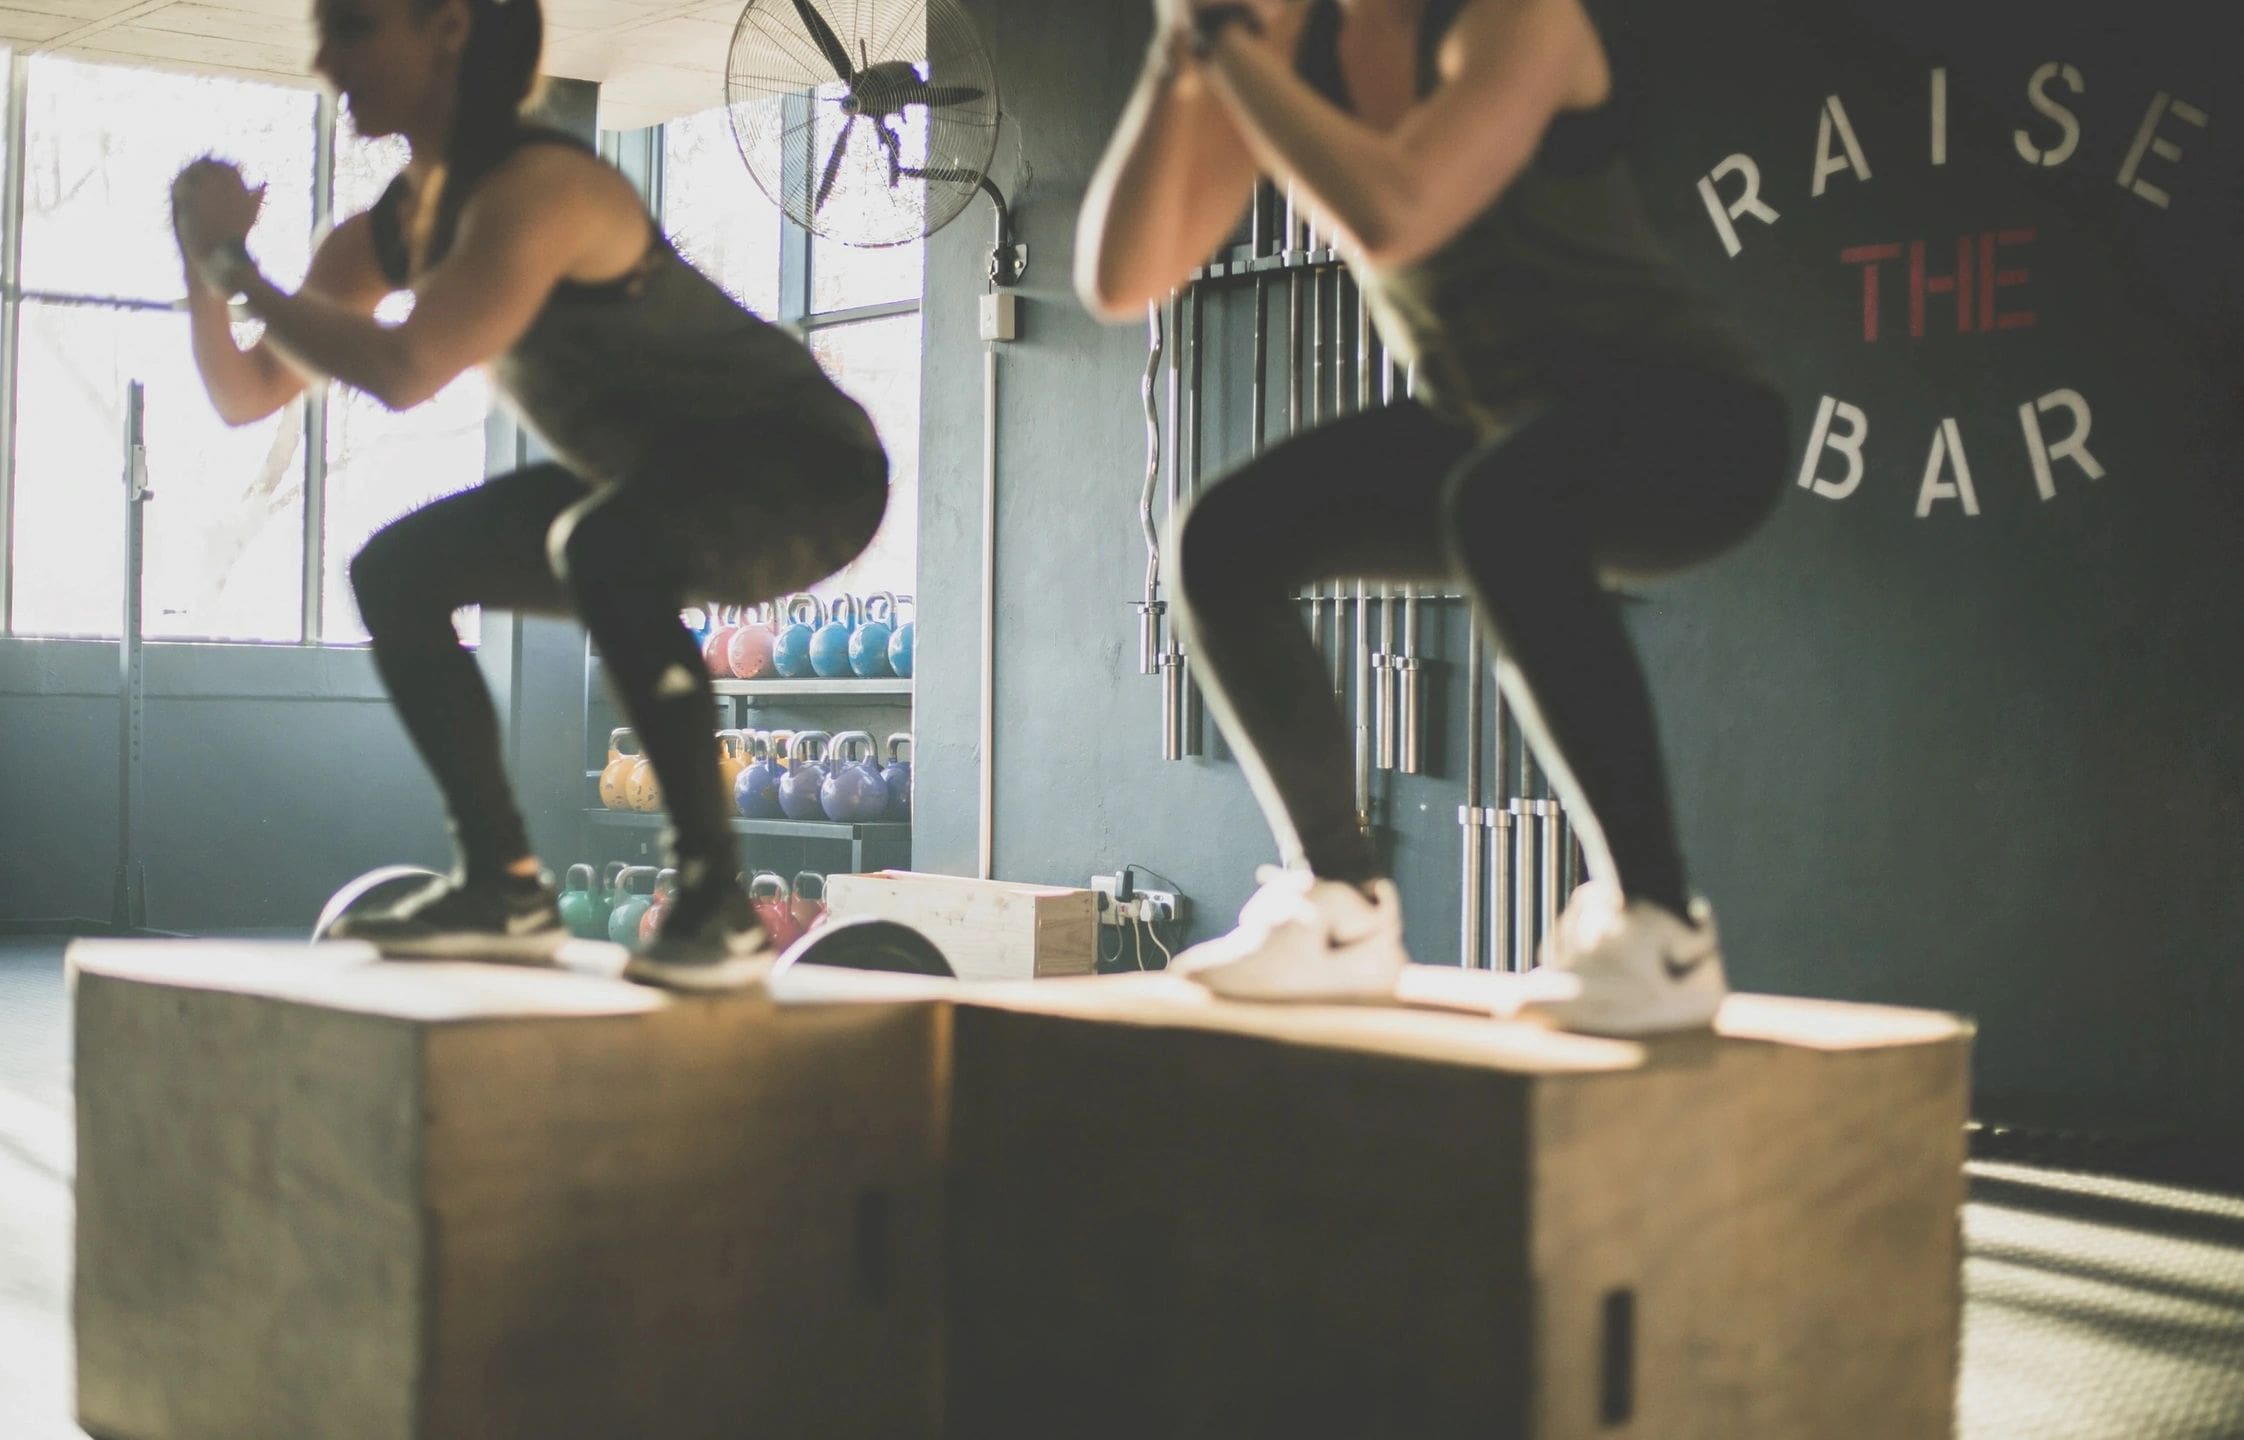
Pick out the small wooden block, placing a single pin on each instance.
(321, 1196)
(1182, 1217)
(988, 929)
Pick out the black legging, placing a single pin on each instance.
(1644, 473)
(624, 558)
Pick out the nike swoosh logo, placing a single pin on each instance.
(1684, 970)
(525, 924)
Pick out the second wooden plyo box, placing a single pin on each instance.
(988, 929)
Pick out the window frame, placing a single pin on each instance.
(312, 581)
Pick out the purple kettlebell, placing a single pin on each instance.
(756, 793)
(853, 792)
(898, 775)
(798, 792)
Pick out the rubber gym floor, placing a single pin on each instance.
(2095, 1307)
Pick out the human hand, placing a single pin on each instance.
(212, 208)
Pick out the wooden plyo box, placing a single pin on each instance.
(1176, 1217)
(988, 929)
(321, 1197)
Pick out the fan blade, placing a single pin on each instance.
(837, 54)
(895, 149)
(943, 95)
(833, 165)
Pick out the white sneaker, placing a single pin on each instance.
(1625, 970)
(1302, 938)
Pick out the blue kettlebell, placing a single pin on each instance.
(756, 793)
(829, 647)
(853, 792)
(700, 620)
(790, 653)
(868, 648)
(898, 776)
(798, 789)
(900, 642)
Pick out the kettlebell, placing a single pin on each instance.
(716, 650)
(755, 793)
(868, 648)
(631, 908)
(780, 740)
(900, 642)
(581, 910)
(808, 904)
(798, 792)
(768, 895)
(609, 894)
(732, 758)
(615, 779)
(898, 776)
(853, 792)
(665, 895)
(748, 653)
(829, 647)
(700, 619)
(642, 791)
(790, 652)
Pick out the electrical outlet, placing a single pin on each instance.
(1157, 907)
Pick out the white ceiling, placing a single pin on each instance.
(654, 59)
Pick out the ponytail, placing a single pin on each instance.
(498, 80)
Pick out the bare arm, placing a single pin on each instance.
(1175, 180)
(519, 234)
(247, 385)
(1393, 198)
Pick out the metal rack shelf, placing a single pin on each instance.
(832, 692)
(857, 837)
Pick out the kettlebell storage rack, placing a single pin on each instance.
(1519, 855)
(738, 698)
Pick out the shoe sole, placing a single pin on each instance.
(1636, 1023)
(707, 977)
(540, 948)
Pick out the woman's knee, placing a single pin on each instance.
(388, 581)
(588, 546)
(1220, 552)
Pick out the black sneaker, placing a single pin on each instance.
(709, 940)
(515, 918)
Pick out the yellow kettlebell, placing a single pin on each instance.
(732, 758)
(615, 779)
(642, 791)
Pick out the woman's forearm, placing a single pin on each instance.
(1173, 183)
(1347, 172)
(321, 339)
(245, 386)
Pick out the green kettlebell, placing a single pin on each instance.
(581, 909)
(631, 904)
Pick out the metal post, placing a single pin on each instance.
(1548, 809)
(1501, 952)
(1188, 695)
(1472, 818)
(1523, 866)
(1150, 609)
(129, 905)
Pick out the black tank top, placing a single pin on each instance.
(1557, 282)
(620, 376)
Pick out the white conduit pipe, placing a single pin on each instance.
(987, 818)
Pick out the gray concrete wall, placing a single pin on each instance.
(1984, 763)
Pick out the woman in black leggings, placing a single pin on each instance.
(702, 453)
(1582, 416)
